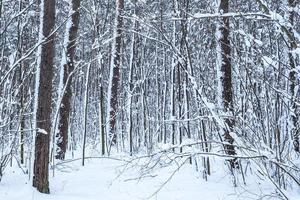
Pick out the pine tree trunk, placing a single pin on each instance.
(44, 98)
(115, 74)
(226, 79)
(68, 67)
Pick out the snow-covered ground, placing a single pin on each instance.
(101, 179)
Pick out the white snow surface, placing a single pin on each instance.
(101, 178)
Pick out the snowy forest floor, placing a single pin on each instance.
(103, 178)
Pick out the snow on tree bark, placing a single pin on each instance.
(67, 67)
(225, 77)
(114, 77)
(293, 79)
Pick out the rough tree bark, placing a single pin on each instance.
(226, 78)
(43, 96)
(67, 67)
(114, 79)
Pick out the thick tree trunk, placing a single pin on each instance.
(115, 75)
(226, 78)
(68, 67)
(44, 98)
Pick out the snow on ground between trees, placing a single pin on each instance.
(103, 179)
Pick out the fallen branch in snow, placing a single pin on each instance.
(168, 179)
(209, 154)
(168, 156)
(92, 157)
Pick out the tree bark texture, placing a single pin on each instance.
(68, 67)
(115, 79)
(226, 77)
(293, 81)
(44, 98)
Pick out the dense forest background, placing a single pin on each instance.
(171, 80)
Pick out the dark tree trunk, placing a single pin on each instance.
(293, 80)
(102, 121)
(44, 98)
(226, 78)
(68, 67)
(115, 79)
